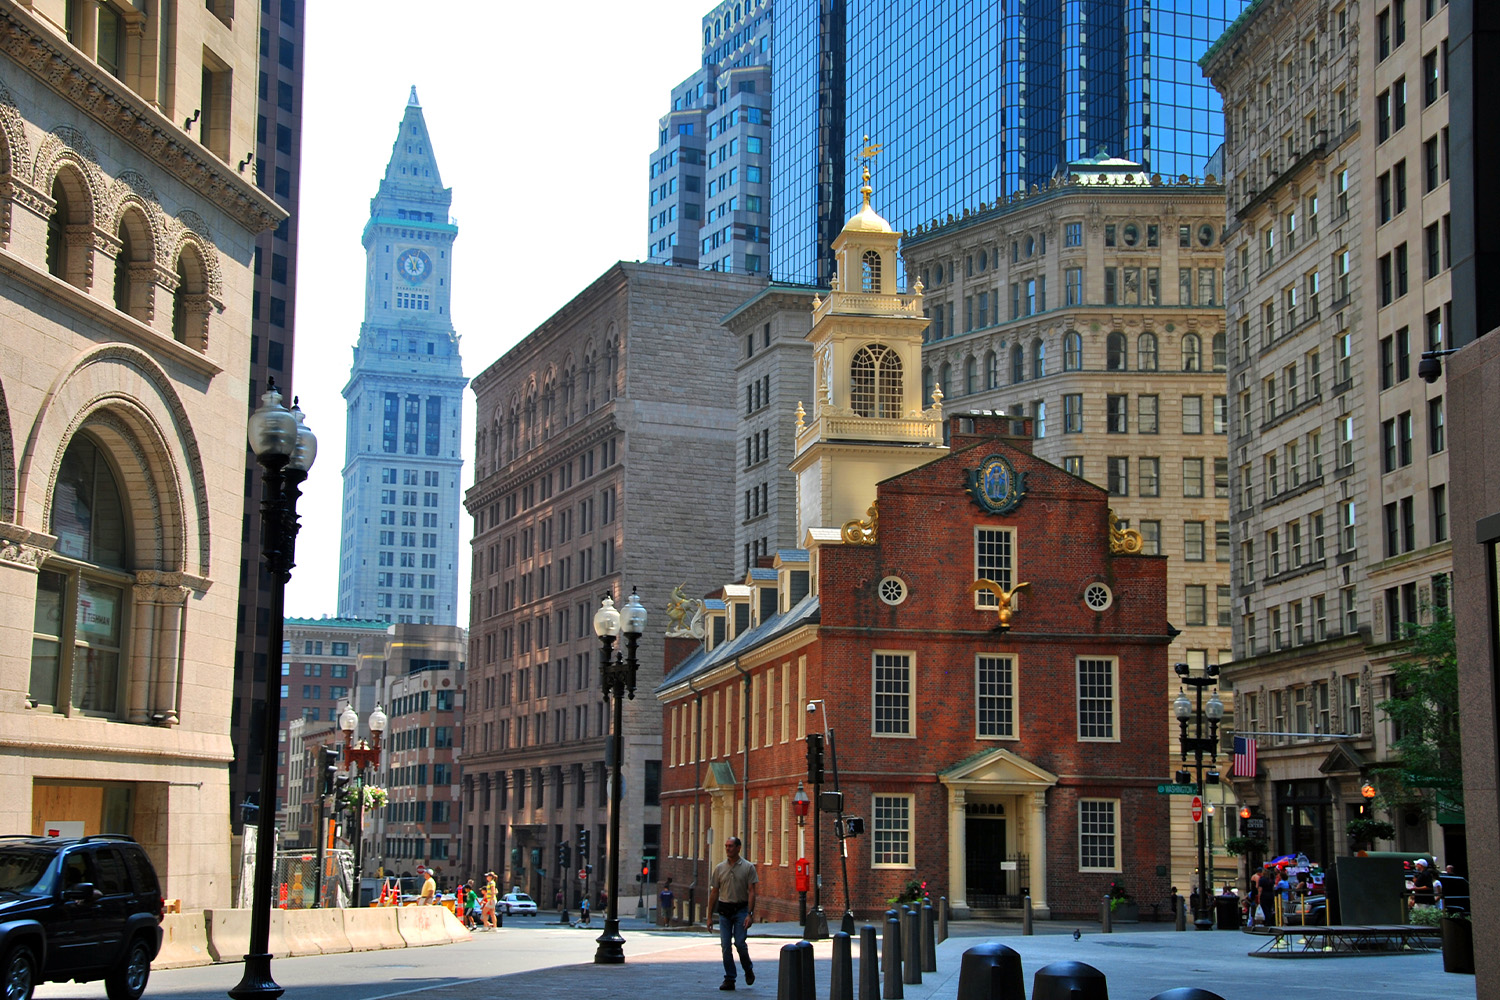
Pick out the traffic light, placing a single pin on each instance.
(645, 870)
(814, 758)
(853, 826)
(330, 768)
(564, 855)
(583, 844)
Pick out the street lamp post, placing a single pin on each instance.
(1198, 745)
(358, 758)
(617, 680)
(800, 802)
(285, 450)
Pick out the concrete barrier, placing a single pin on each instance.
(229, 934)
(184, 942)
(316, 932)
(372, 928)
(455, 928)
(421, 926)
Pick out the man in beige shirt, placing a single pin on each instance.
(731, 900)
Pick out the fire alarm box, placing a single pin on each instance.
(804, 880)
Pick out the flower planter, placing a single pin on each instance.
(1458, 945)
(1128, 912)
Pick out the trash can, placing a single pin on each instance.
(1228, 910)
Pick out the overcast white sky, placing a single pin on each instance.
(543, 120)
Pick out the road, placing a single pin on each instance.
(533, 958)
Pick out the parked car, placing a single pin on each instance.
(517, 902)
(79, 908)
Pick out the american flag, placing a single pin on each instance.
(1244, 756)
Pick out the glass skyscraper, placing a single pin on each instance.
(972, 99)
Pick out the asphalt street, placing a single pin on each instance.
(538, 958)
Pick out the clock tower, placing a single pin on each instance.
(403, 464)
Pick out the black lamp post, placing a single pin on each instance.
(800, 803)
(617, 680)
(1198, 745)
(285, 449)
(358, 758)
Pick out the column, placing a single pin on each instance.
(1038, 827)
(958, 876)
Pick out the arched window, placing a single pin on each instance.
(1038, 358)
(588, 383)
(1192, 353)
(131, 287)
(945, 381)
(1072, 351)
(528, 432)
(67, 228)
(611, 368)
(1115, 353)
(1145, 352)
(875, 382)
(82, 599)
(869, 270)
(1017, 364)
(190, 299)
(991, 370)
(971, 376)
(1221, 352)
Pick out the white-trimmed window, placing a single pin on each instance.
(995, 696)
(1097, 680)
(994, 559)
(1099, 835)
(892, 693)
(891, 820)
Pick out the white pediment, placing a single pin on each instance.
(997, 768)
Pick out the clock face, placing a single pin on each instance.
(414, 265)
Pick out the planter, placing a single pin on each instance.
(1458, 945)
(1128, 912)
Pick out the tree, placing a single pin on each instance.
(1424, 710)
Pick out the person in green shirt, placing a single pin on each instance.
(471, 904)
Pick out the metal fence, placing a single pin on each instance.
(296, 878)
(997, 884)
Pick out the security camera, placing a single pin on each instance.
(811, 707)
(1429, 370)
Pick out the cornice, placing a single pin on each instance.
(522, 470)
(92, 90)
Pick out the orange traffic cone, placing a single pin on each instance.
(458, 903)
(281, 902)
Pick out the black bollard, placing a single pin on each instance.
(847, 924)
(562, 916)
(1026, 928)
(991, 971)
(942, 919)
(869, 964)
(1187, 993)
(911, 949)
(1181, 910)
(841, 973)
(1069, 981)
(890, 957)
(929, 940)
(796, 980)
(1104, 916)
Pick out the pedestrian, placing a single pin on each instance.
(1421, 886)
(1268, 896)
(731, 898)
(1252, 900)
(666, 902)
(429, 887)
(491, 894)
(583, 911)
(557, 901)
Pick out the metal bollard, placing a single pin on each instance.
(1026, 928)
(890, 956)
(1104, 918)
(1187, 993)
(1069, 981)
(929, 940)
(847, 924)
(1181, 909)
(869, 964)
(991, 971)
(795, 973)
(841, 973)
(942, 919)
(911, 949)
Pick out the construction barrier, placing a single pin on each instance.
(229, 934)
(372, 929)
(316, 932)
(421, 926)
(184, 942)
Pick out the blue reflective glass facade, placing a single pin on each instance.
(971, 99)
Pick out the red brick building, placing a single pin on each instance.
(987, 751)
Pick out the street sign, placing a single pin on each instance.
(1177, 789)
(1197, 809)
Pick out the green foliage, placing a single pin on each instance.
(1118, 895)
(1425, 713)
(1425, 916)
(1240, 846)
(910, 893)
(1367, 831)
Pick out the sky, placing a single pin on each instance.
(542, 122)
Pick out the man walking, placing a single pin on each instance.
(731, 898)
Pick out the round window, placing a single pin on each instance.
(983, 260)
(1030, 245)
(892, 590)
(937, 274)
(1131, 234)
(1206, 235)
(1097, 596)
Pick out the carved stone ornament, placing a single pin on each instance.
(686, 616)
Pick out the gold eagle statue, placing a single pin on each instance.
(1002, 598)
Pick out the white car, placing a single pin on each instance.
(517, 902)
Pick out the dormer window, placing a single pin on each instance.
(870, 271)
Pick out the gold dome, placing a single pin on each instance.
(868, 220)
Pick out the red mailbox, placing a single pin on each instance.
(804, 876)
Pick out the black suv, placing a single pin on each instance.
(77, 908)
